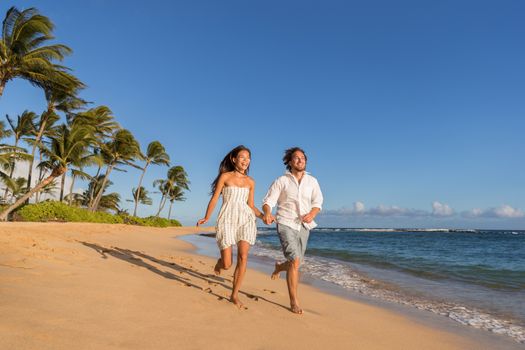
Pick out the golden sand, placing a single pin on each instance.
(97, 286)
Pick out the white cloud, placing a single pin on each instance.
(381, 210)
(359, 207)
(504, 211)
(441, 210)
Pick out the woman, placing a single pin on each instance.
(236, 220)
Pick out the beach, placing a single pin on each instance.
(101, 286)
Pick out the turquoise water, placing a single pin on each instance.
(476, 277)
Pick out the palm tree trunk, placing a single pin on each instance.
(161, 204)
(11, 171)
(62, 184)
(92, 192)
(41, 174)
(2, 86)
(71, 189)
(33, 151)
(138, 190)
(99, 194)
(169, 212)
(54, 174)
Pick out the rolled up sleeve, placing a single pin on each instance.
(317, 196)
(273, 194)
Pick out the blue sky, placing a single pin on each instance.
(411, 112)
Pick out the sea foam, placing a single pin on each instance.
(345, 276)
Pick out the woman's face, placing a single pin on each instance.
(242, 161)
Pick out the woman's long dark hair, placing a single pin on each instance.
(227, 165)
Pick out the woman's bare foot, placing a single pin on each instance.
(235, 300)
(296, 309)
(217, 268)
(276, 272)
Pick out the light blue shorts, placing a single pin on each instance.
(293, 242)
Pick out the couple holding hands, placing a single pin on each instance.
(298, 198)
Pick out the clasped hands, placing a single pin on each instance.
(268, 219)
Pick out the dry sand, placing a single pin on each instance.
(95, 286)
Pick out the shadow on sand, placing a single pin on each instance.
(141, 259)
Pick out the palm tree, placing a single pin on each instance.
(140, 195)
(49, 190)
(3, 131)
(5, 151)
(67, 146)
(44, 167)
(23, 53)
(102, 120)
(83, 199)
(163, 186)
(8, 155)
(44, 128)
(155, 154)
(99, 161)
(57, 100)
(175, 194)
(110, 201)
(122, 148)
(16, 186)
(74, 174)
(177, 176)
(24, 126)
(74, 199)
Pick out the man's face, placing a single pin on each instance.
(298, 161)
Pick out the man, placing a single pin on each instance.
(298, 198)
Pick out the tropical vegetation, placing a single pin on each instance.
(68, 141)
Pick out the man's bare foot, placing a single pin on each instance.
(235, 300)
(217, 268)
(276, 272)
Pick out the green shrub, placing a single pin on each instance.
(57, 211)
(150, 221)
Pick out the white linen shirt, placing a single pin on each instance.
(294, 199)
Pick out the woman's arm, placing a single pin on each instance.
(256, 211)
(213, 200)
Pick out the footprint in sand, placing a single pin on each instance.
(270, 291)
(255, 298)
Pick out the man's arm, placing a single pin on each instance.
(267, 216)
(317, 203)
(270, 200)
(308, 218)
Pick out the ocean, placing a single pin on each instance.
(476, 277)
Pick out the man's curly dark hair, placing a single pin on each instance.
(288, 156)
